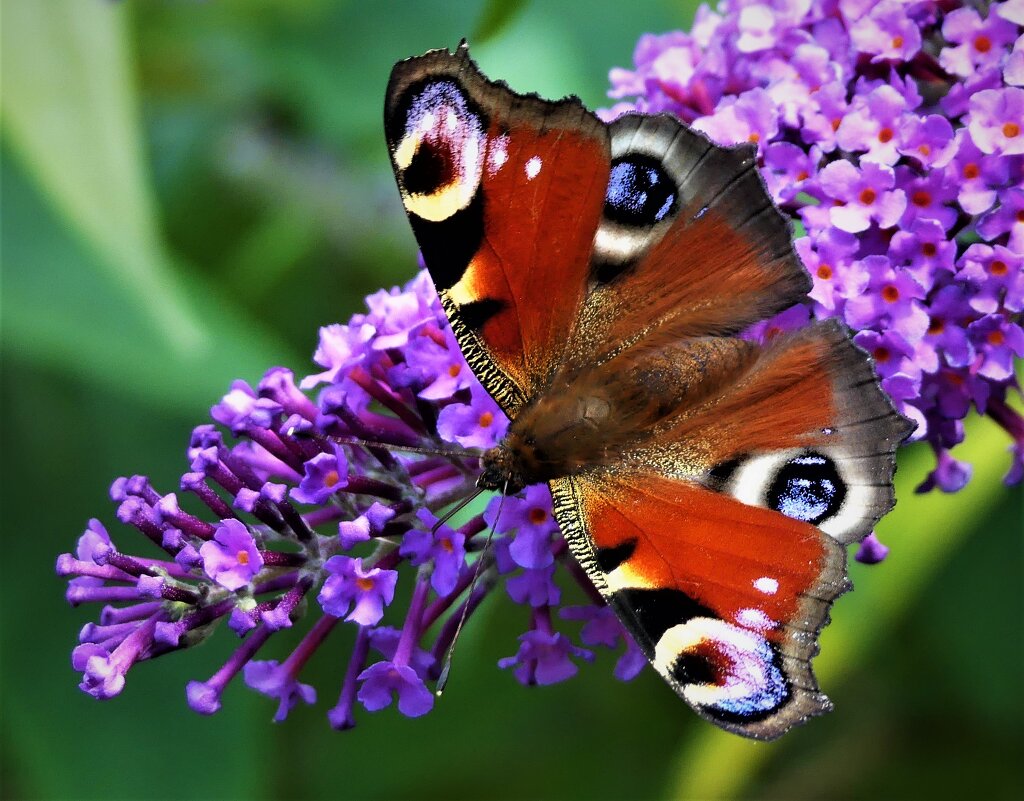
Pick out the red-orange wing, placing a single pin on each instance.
(725, 599)
(504, 193)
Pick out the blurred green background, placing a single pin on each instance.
(189, 189)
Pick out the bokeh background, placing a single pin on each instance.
(189, 189)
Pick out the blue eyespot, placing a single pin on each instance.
(640, 192)
(808, 488)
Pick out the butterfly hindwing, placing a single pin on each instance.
(504, 193)
(840, 477)
(724, 599)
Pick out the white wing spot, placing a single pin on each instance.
(754, 619)
(497, 154)
(533, 168)
(768, 586)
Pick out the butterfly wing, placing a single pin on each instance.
(504, 193)
(689, 242)
(723, 559)
(724, 599)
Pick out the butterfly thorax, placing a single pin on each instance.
(591, 415)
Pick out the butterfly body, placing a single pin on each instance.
(598, 278)
(591, 412)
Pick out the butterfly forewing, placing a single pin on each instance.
(504, 193)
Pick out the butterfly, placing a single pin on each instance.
(597, 277)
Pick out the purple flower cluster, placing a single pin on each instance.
(290, 518)
(892, 132)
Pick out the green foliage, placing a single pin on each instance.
(188, 191)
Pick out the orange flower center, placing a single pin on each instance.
(936, 326)
(1011, 130)
(982, 43)
(755, 137)
(242, 557)
(998, 267)
(955, 379)
(825, 272)
(454, 370)
(365, 584)
(921, 198)
(803, 175)
(537, 516)
(1020, 216)
(881, 354)
(924, 150)
(971, 171)
(331, 478)
(929, 249)
(995, 337)
(890, 294)
(885, 135)
(836, 123)
(897, 42)
(867, 196)
(446, 545)
(486, 419)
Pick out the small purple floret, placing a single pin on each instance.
(380, 682)
(351, 586)
(272, 679)
(231, 558)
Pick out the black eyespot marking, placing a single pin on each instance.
(605, 271)
(640, 192)
(610, 558)
(477, 312)
(808, 488)
(724, 470)
(694, 668)
(657, 611)
(432, 167)
(763, 703)
(449, 245)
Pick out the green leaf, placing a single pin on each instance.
(89, 288)
(70, 113)
(63, 309)
(496, 16)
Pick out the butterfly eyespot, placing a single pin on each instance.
(640, 192)
(807, 488)
(730, 672)
(438, 149)
(431, 169)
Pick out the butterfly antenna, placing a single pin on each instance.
(454, 511)
(442, 679)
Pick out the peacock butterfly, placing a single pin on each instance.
(597, 277)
